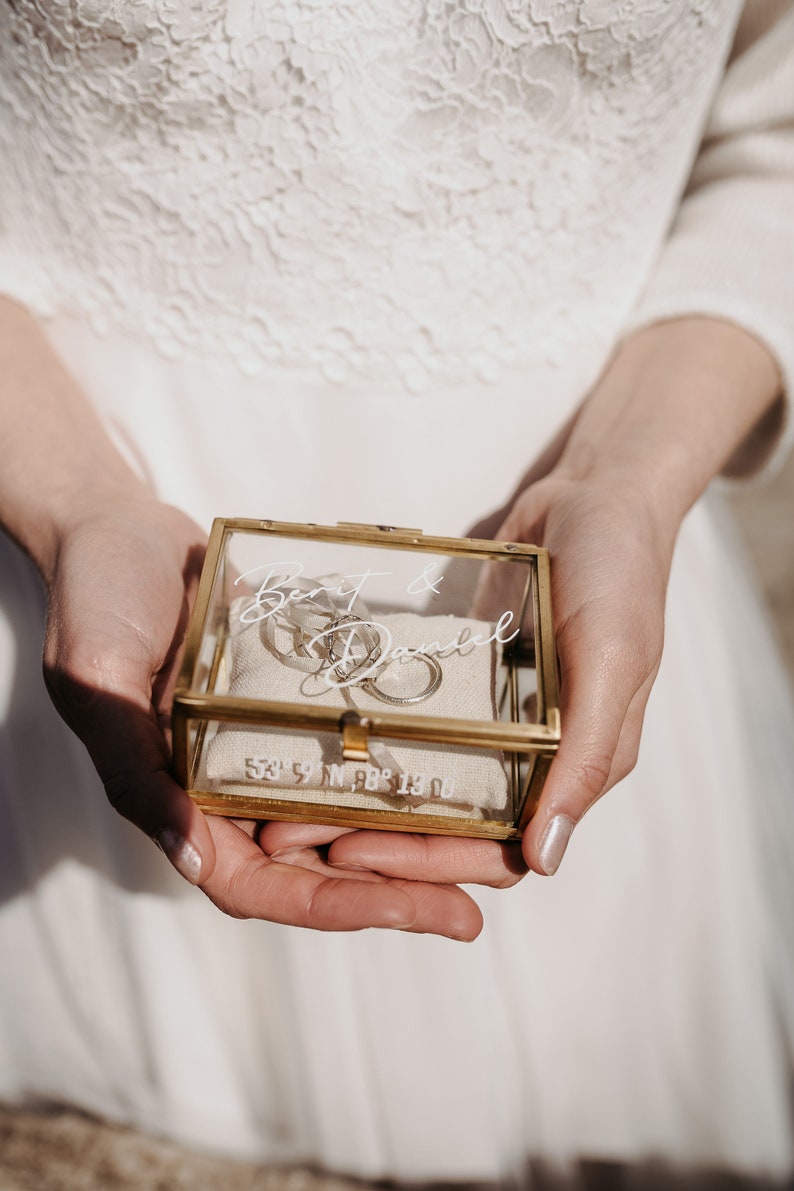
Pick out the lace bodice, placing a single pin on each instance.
(417, 188)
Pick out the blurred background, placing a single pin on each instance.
(58, 1150)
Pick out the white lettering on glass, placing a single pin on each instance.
(347, 659)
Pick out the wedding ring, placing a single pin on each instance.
(371, 684)
(323, 636)
(289, 639)
(348, 663)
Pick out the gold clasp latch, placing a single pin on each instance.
(355, 736)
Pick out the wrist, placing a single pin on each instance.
(671, 410)
(60, 467)
(44, 523)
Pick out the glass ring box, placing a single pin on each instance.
(368, 676)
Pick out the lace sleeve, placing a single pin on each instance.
(730, 251)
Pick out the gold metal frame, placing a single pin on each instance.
(536, 742)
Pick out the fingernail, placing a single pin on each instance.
(554, 842)
(185, 858)
(353, 868)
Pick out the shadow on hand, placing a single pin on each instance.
(53, 806)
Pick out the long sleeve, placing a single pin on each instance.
(730, 250)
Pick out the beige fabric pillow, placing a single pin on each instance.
(309, 767)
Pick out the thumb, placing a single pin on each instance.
(602, 705)
(119, 726)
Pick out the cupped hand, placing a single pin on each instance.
(680, 400)
(120, 595)
(611, 552)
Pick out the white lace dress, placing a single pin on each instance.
(358, 260)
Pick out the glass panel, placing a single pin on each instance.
(370, 629)
(401, 776)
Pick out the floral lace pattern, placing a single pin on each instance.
(411, 188)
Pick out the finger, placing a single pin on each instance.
(130, 753)
(247, 883)
(132, 760)
(524, 521)
(316, 859)
(446, 860)
(501, 587)
(117, 613)
(599, 685)
(277, 839)
(628, 746)
(442, 910)
(440, 907)
(165, 680)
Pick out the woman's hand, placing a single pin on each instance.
(120, 595)
(678, 403)
(611, 562)
(121, 571)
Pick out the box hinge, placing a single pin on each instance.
(399, 529)
(355, 736)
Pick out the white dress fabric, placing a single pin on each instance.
(358, 261)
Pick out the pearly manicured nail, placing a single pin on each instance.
(554, 842)
(184, 857)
